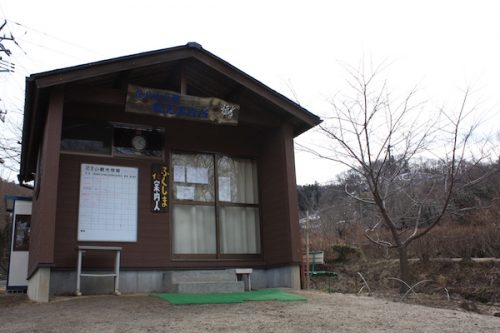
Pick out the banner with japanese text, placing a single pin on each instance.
(170, 104)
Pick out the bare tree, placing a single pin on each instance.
(378, 138)
(10, 148)
(10, 130)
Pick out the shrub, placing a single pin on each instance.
(344, 252)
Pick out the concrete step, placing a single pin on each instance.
(222, 275)
(208, 287)
(203, 281)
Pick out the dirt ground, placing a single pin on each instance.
(322, 312)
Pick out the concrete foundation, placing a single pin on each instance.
(63, 282)
(280, 277)
(38, 285)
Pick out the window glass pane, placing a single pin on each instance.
(240, 233)
(193, 177)
(237, 180)
(86, 136)
(22, 233)
(194, 229)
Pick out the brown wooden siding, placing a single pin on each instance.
(151, 248)
(280, 231)
(292, 196)
(44, 204)
(255, 136)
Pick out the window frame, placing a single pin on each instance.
(218, 256)
(112, 153)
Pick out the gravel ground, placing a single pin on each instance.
(321, 313)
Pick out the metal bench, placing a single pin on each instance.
(116, 275)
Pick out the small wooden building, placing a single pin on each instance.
(175, 156)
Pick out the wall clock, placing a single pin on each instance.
(139, 142)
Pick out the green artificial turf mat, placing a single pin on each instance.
(224, 298)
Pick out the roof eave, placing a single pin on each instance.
(40, 81)
(66, 75)
(27, 129)
(277, 98)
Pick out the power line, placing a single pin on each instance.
(53, 50)
(6, 66)
(56, 38)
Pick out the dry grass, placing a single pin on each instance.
(444, 241)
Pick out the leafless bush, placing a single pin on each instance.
(446, 241)
(455, 241)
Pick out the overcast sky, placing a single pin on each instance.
(296, 47)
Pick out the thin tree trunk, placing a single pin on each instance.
(404, 269)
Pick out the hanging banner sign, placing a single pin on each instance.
(159, 188)
(173, 105)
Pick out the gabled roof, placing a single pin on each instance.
(202, 68)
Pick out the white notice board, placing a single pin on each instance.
(108, 203)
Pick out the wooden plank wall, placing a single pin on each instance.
(272, 146)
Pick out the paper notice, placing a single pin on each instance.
(197, 175)
(185, 192)
(179, 173)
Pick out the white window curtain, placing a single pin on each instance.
(239, 230)
(194, 224)
(194, 229)
(237, 180)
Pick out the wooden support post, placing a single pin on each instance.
(308, 277)
(183, 87)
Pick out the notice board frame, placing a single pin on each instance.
(84, 190)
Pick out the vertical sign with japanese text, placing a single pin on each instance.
(159, 188)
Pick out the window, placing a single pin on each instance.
(215, 205)
(103, 138)
(22, 233)
(132, 141)
(238, 210)
(194, 214)
(84, 136)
